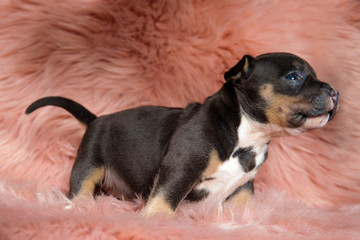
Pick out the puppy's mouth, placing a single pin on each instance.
(318, 120)
(330, 114)
(313, 122)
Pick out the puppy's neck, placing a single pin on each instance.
(251, 132)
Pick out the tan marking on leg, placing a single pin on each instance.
(158, 205)
(88, 186)
(241, 198)
(214, 163)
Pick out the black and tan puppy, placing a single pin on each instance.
(209, 150)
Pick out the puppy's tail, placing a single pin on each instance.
(76, 109)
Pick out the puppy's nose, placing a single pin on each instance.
(334, 95)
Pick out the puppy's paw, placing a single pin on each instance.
(158, 206)
(241, 199)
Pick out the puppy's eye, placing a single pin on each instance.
(293, 76)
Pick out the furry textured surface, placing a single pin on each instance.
(112, 55)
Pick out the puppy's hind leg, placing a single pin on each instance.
(85, 178)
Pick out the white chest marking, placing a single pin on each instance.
(231, 174)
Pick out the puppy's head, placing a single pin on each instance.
(282, 89)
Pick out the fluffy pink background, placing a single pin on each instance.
(112, 55)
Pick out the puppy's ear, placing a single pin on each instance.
(240, 70)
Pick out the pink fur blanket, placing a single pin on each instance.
(112, 55)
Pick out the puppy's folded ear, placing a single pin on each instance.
(240, 71)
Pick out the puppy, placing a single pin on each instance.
(209, 150)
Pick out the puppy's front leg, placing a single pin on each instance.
(172, 185)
